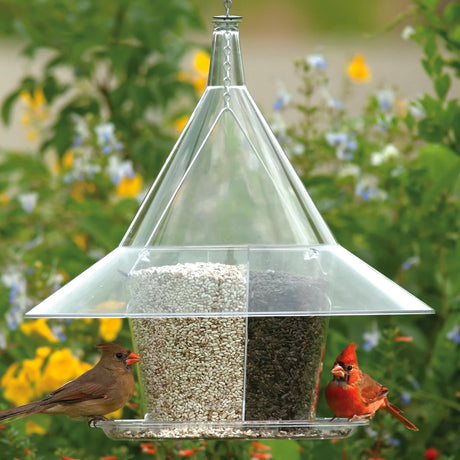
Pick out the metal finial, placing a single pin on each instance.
(227, 5)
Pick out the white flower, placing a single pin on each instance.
(335, 139)
(407, 32)
(371, 338)
(117, 170)
(316, 61)
(105, 133)
(389, 152)
(28, 201)
(376, 159)
(416, 110)
(298, 149)
(349, 169)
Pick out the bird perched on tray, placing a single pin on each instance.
(353, 394)
(103, 389)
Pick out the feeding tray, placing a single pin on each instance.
(228, 275)
(132, 430)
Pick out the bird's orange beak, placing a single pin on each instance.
(338, 371)
(133, 358)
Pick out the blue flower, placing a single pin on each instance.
(394, 442)
(77, 140)
(105, 133)
(409, 263)
(343, 143)
(335, 103)
(13, 318)
(352, 145)
(414, 382)
(454, 334)
(107, 149)
(335, 139)
(405, 398)
(385, 98)
(365, 191)
(28, 201)
(283, 98)
(316, 61)
(371, 338)
(117, 170)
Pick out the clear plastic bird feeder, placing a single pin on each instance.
(228, 274)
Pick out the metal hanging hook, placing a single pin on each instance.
(227, 6)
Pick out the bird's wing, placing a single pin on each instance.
(370, 390)
(80, 389)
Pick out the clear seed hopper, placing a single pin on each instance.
(228, 274)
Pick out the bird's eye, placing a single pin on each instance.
(119, 355)
(349, 367)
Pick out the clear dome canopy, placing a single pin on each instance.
(228, 229)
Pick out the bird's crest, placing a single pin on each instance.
(348, 355)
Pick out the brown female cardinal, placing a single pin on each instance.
(353, 394)
(103, 389)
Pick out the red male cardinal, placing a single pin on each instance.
(352, 393)
(101, 390)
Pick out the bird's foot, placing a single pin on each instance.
(96, 418)
(360, 418)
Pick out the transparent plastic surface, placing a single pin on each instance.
(229, 281)
(228, 229)
(227, 180)
(321, 428)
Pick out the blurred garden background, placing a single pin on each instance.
(363, 97)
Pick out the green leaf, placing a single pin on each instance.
(452, 14)
(442, 85)
(8, 105)
(431, 47)
(442, 166)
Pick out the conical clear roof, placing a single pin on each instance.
(228, 228)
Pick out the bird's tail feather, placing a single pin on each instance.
(22, 411)
(396, 412)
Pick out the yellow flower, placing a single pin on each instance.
(80, 189)
(31, 135)
(39, 98)
(109, 328)
(180, 123)
(38, 327)
(61, 367)
(115, 415)
(4, 198)
(42, 352)
(18, 389)
(81, 240)
(25, 118)
(31, 368)
(34, 428)
(201, 62)
(67, 159)
(199, 84)
(130, 188)
(358, 71)
(26, 98)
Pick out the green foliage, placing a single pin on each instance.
(120, 60)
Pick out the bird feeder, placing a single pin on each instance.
(228, 274)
